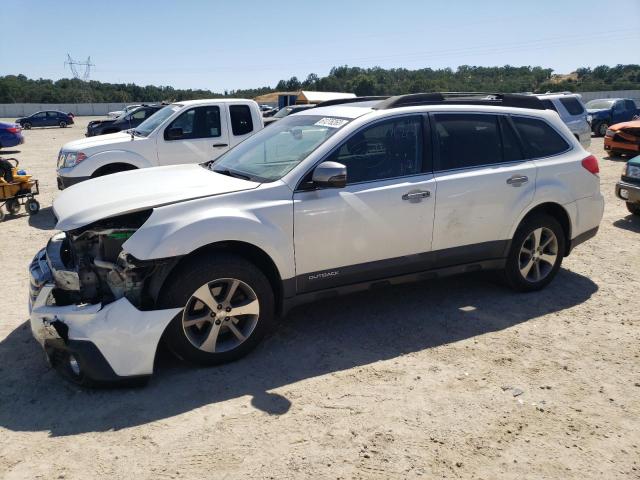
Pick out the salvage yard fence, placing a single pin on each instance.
(13, 110)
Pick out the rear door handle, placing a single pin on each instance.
(420, 194)
(220, 145)
(517, 180)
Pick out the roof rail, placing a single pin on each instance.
(340, 101)
(462, 98)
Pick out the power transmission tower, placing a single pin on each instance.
(74, 67)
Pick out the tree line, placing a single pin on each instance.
(361, 81)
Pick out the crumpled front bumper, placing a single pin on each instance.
(105, 343)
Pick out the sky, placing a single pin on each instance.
(226, 45)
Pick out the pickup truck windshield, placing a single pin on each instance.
(276, 150)
(599, 104)
(155, 120)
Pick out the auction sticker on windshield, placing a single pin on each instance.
(331, 122)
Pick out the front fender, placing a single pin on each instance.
(180, 229)
(92, 163)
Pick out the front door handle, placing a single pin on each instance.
(416, 195)
(220, 145)
(517, 180)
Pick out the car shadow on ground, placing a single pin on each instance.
(314, 340)
(9, 152)
(630, 222)
(43, 220)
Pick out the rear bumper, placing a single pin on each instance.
(114, 343)
(628, 192)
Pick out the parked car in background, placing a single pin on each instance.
(623, 138)
(285, 111)
(572, 112)
(47, 118)
(270, 113)
(10, 135)
(126, 109)
(330, 200)
(265, 108)
(628, 188)
(127, 120)
(193, 131)
(605, 112)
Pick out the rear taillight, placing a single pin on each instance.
(14, 129)
(591, 164)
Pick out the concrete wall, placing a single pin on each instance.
(14, 110)
(634, 94)
(11, 110)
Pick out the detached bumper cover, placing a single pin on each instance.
(111, 343)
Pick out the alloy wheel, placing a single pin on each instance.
(221, 315)
(538, 254)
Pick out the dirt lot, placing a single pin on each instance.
(455, 379)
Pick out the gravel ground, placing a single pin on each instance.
(459, 378)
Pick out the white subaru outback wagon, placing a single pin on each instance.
(332, 199)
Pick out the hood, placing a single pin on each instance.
(122, 139)
(135, 190)
(595, 111)
(630, 124)
(101, 122)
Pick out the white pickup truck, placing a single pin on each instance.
(193, 131)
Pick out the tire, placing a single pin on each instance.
(12, 206)
(26, 126)
(615, 154)
(633, 208)
(600, 129)
(32, 206)
(208, 336)
(539, 266)
(63, 124)
(1, 215)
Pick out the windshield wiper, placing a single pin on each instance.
(230, 173)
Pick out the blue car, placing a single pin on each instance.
(10, 135)
(48, 118)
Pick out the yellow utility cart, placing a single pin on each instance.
(17, 189)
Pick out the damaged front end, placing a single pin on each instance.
(88, 265)
(92, 305)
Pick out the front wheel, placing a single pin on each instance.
(228, 306)
(601, 129)
(32, 206)
(536, 253)
(633, 208)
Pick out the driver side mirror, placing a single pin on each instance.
(173, 134)
(330, 175)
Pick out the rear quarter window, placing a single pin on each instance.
(548, 104)
(539, 139)
(573, 105)
(241, 121)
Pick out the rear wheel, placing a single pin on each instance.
(614, 154)
(536, 253)
(26, 126)
(63, 124)
(228, 306)
(12, 206)
(633, 208)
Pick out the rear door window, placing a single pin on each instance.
(241, 121)
(539, 139)
(467, 140)
(573, 105)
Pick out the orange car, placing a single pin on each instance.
(623, 138)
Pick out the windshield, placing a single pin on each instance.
(155, 120)
(275, 151)
(599, 104)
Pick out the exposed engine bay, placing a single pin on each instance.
(90, 266)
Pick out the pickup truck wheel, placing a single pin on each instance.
(601, 129)
(228, 306)
(633, 208)
(536, 253)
